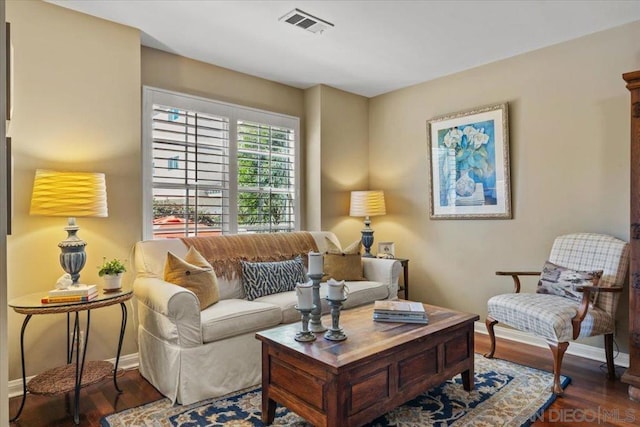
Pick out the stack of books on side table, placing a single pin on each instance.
(399, 311)
(80, 293)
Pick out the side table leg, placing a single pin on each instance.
(24, 376)
(80, 365)
(123, 326)
(69, 342)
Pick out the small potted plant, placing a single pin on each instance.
(111, 272)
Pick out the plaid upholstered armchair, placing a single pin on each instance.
(577, 296)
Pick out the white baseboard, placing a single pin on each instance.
(129, 361)
(577, 349)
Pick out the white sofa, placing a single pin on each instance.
(189, 355)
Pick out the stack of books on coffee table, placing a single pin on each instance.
(399, 311)
(80, 293)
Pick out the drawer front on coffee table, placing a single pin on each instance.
(369, 385)
(413, 368)
(380, 385)
(307, 388)
(298, 383)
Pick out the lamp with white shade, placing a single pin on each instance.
(367, 204)
(70, 194)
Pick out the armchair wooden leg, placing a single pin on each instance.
(492, 336)
(558, 350)
(608, 351)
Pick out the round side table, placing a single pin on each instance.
(58, 380)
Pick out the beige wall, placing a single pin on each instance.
(76, 107)
(180, 74)
(345, 159)
(313, 150)
(569, 130)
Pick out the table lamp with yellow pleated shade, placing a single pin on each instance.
(367, 204)
(70, 194)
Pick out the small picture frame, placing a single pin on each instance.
(386, 250)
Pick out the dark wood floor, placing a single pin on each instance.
(589, 397)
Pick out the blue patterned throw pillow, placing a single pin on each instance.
(265, 278)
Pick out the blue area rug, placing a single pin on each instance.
(505, 394)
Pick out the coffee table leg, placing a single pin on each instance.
(467, 379)
(268, 405)
(268, 409)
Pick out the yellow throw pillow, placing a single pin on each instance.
(343, 264)
(193, 273)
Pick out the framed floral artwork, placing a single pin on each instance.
(469, 164)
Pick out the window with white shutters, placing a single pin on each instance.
(266, 177)
(215, 168)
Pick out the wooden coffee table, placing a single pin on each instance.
(377, 368)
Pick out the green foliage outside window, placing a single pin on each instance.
(264, 167)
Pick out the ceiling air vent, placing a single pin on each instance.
(306, 21)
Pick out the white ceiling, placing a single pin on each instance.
(375, 46)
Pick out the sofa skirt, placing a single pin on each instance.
(188, 375)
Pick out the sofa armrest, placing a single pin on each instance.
(385, 271)
(170, 312)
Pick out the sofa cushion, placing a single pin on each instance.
(547, 316)
(193, 273)
(233, 317)
(287, 302)
(266, 278)
(562, 281)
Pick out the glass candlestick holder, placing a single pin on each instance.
(335, 333)
(305, 335)
(316, 324)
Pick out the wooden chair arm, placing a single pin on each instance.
(599, 289)
(584, 304)
(516, 280)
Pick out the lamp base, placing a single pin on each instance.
(367, 241)
(72, 256)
